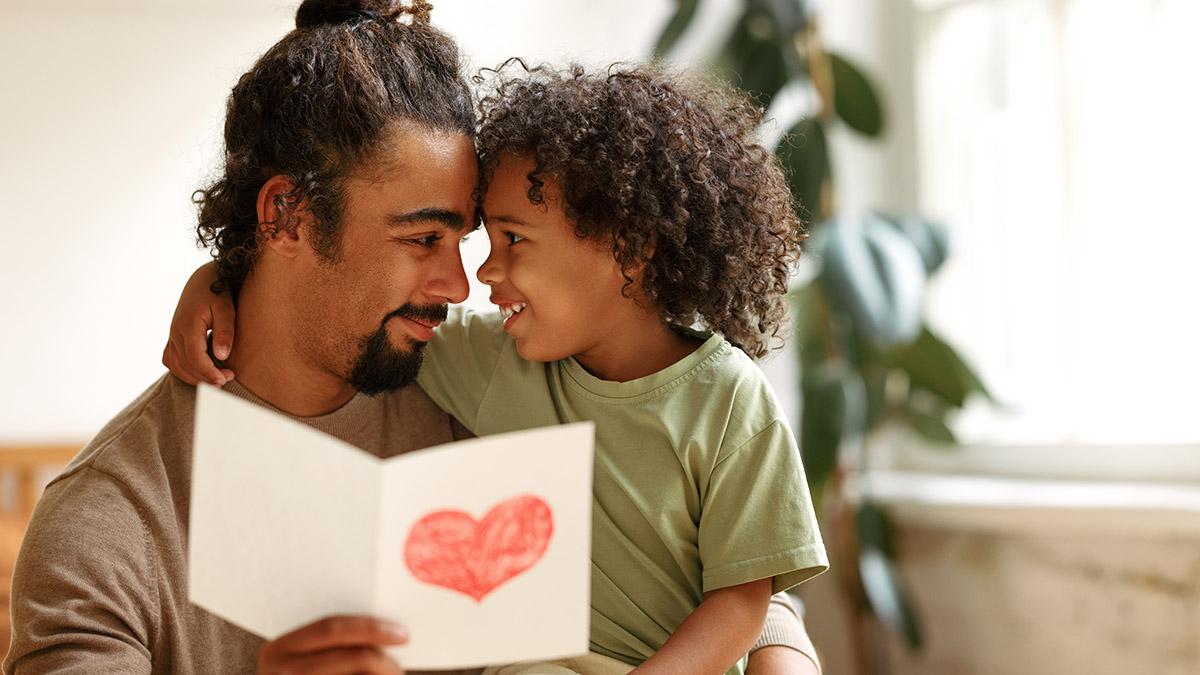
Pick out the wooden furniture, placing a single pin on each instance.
(24, 472)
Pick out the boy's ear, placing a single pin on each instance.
(621, 244)
(283, 219)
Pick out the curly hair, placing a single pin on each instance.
(668, 171)
(314, 108)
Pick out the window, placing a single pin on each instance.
(1059, 140)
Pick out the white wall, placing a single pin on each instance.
(110, 116)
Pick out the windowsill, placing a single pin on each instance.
(1158, 464)
(979, 502)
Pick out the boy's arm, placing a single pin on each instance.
(716, 634)
(199, 311)
(460, 362)
(767, 529)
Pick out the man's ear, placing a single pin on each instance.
(284, 221)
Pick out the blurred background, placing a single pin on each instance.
(994, 365)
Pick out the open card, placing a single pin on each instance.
(480, 548)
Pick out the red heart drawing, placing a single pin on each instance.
(450, 549)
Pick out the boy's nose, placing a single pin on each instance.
(490, 272)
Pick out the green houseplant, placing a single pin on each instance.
(868, 358)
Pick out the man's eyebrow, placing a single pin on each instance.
(450, 219)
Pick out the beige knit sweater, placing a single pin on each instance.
(101, 581)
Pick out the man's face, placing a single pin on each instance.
(370, 310)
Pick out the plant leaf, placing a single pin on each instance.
(930, 427)
(810, 315)
(874, 528)
(804, 154)
(754, 58)
(822, 423)
(685, 10)
(931, 238)
(932, 364)
(876, 275)
(790, 15)
(874, 375)
(854, 98)
(887, 596)
(882, 584)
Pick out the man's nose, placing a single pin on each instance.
(449, 280)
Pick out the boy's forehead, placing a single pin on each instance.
(511, 181)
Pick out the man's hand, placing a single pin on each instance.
(779, 660)
(339, 645)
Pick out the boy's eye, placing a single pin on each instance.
(513, 237)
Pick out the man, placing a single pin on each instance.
(348, 184)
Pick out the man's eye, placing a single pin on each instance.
(513, 237)
(426, 242)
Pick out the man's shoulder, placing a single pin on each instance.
(86, 584)
(156, 427)
(412, 421)
(88, 552)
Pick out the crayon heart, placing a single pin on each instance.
(451, 549)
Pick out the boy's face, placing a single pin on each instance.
(567, 289)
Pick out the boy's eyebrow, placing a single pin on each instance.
(450, 219)
(506, 219)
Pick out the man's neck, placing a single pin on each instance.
(269, 363)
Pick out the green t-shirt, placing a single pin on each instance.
(697, 481)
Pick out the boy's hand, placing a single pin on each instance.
(339, 645)
(199, 311)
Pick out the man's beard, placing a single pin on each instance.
(380, 366)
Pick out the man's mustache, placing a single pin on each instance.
(422, 313)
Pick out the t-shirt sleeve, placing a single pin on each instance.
(757, 518)
(82, 592)
(460, 361)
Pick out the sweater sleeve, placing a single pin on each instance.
(79, 591)
(784, 627)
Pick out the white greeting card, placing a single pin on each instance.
(480, 548)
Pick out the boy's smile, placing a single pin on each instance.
(509, 309)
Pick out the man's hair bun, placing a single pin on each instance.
(313, 13)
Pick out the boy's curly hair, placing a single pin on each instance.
(670, 172)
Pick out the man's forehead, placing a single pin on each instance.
(414, 147)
